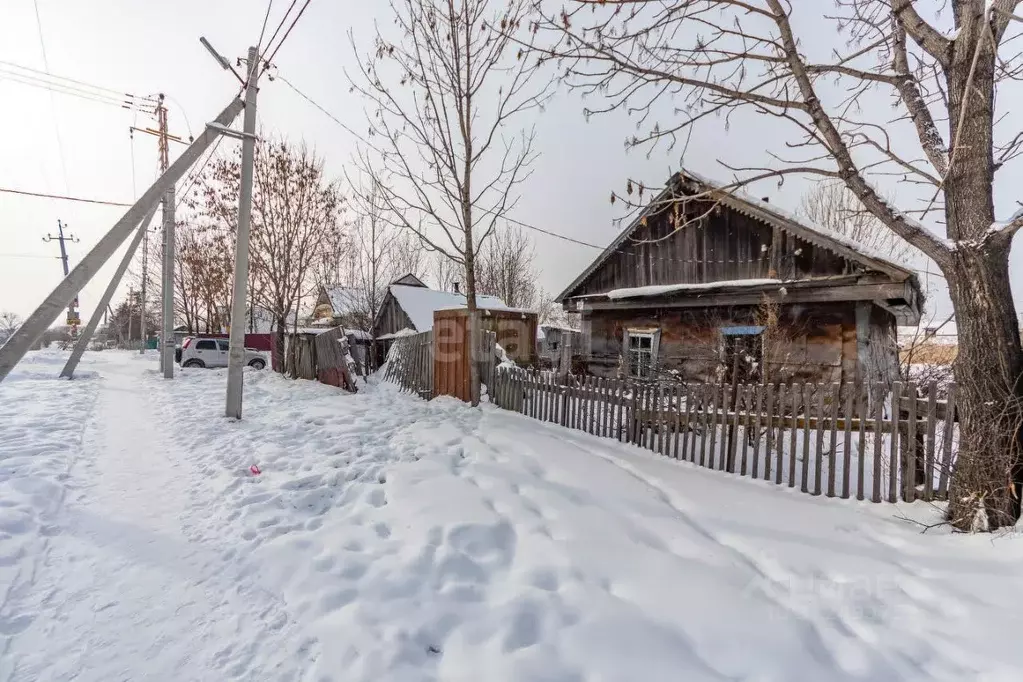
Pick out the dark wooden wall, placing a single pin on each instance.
(392, 318)
(810, 342)
(722, 246)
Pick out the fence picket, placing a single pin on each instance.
(878, 421)
(759, 388)
(795, 391)
(747, 401)
(703, 424)
(819, 456)
(836, 398)
(805, 470)
(714, 454)
(779, 464)
(687, 433)
(909, 468)
(947, 435)
(893, 461)
(769, 439)
(676, 413)
(861, 445)
(847, 443)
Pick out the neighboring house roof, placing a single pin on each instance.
(409, 280)
(419, 303)
(344, 300)
(759, 210)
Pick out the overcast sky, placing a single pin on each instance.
(146, 47)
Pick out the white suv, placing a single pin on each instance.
(197, 351)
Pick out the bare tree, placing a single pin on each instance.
(446, 273)
(295, 212)
(834, 207)
(9, 323)
(441, 101)
(505, 268)
(721, 61)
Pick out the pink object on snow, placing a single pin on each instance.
(255, 470)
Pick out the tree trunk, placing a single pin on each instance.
(986, 483)
(278, 348)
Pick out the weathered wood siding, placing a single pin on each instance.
(392, 318)
(808, 343)
(722, 245)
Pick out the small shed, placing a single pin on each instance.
(409, 306)
(550, 338)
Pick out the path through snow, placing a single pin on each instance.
(393, 539)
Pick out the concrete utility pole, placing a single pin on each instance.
(236, 359)
(104, 302)
(66, 292)
(167, 261)
(73, 319)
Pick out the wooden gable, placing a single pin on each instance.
(715, 244)
(693, 234)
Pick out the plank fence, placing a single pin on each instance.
(826, 439)
(410, 364)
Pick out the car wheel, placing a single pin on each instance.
(257, 364)
(193, 363)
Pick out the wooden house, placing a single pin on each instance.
(709, 285)
(408, 308)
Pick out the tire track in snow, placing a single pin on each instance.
(774, 585)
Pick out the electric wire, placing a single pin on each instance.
(53, 104)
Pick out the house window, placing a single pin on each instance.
(641, 346)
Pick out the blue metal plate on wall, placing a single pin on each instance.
(742, 331)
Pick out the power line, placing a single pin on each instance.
(71, 90)
(63, 197)
(363, 140)
(281, 24)
(53, 104)
(104, 91)
(262, 31)
(25, 255)
(288, 32)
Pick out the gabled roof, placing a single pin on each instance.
(343, 300)
(420, 302)
(759, 210)
(409, 280)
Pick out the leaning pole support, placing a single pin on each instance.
(97, 314)
(14, 350)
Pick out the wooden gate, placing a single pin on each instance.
(451, 357)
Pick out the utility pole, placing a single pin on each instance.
(104, 302)
(65, 293)
(73, 318)
(236, 357)
(164, 139)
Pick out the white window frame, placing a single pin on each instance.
(635, 369)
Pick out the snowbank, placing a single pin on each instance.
(387, 538)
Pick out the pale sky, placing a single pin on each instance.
(144, 47)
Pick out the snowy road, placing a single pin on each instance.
(392, 539)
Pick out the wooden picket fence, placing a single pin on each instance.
(831, 439)
(410, 364)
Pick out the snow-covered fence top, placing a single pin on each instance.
(840, 440)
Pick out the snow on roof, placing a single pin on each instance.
(358, 334)
(662, 289)
(343, 300)
(398, 334)
(419, 303)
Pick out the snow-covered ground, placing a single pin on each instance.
(391, 539)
